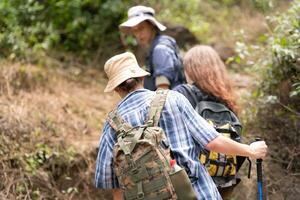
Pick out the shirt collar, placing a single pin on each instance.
(131, 93)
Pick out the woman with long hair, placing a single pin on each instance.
(206, 72)
(208, 81)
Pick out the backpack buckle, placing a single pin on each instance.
(141, 195)
(149, 122)
(131, 163)
(165, 144)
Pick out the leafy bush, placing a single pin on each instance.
(89, 27)
(281, 58)
(83, 26)
(274, 113)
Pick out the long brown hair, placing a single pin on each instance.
(205, 68)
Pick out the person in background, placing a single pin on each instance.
(186, 131)
(208, 81)
(163, 60)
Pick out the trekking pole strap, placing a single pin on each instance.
(249, 169)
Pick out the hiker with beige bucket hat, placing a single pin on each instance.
(127, 162)
(163, 61)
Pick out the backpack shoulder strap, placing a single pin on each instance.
(156, 107)
(190, 93)
(117, 122)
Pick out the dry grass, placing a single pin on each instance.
(50, 120)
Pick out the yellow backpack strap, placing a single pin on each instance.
(156, 107)
(118, 123)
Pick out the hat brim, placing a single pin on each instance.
(126, 26)
(123, 76)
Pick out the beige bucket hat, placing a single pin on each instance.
(138, 14)
(121, 67)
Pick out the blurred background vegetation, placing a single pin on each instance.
(87, 27)
(29, 27)
(51, 61)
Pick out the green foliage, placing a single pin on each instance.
(88, 27)
(263, 5)
(280, 60)
(44, 154)
(276, 56)
(38, 158)
(83, 26)
(296, 90)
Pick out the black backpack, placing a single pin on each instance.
(222, 168)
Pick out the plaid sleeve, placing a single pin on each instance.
(104, 174)
(199, 128)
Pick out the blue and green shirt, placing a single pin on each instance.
(163, 59)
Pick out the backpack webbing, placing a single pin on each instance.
(219, 108)
(117, 122)
(156, 106)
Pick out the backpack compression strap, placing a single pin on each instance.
(122, 128)
(215, 107)
(117, 123)
(156, 107)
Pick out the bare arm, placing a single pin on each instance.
(118, 194)
(225, 145)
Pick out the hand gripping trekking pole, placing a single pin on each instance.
(259, 177)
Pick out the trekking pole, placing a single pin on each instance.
(259, 176)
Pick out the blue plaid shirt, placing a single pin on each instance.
(186, 131)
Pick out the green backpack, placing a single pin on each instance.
(142, 160)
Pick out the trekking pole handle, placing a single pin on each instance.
(256, 140)
(258, 161)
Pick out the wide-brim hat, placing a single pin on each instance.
(121, 67)
(138, 14)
